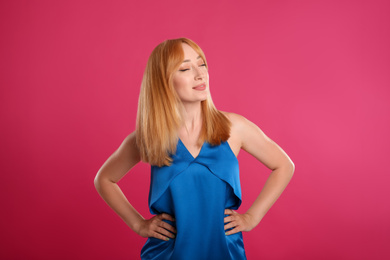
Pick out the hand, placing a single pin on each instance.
(156, 227)
(239, 222)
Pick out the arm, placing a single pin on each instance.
(255, 142)
(116, 166)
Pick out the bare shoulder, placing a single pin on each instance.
(249, 137)
(244, 132)
(239, 126)
(130, 140)
(238, 121)
(129, 147)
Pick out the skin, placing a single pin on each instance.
(244, 135)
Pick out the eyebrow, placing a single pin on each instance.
(190, 60)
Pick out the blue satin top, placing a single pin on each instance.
(196, 192)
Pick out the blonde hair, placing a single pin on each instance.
(158, 116)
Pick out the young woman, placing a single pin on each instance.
(192, 148)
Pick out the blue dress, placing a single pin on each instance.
(196, 192)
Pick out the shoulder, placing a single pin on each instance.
(130, 140)
(249, 137)
(239, 122)
(129, 147)
(239, 131)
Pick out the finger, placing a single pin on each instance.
(167, 217)
(159, 236)
(165, 232)
(231, 225)
(229, 212)
(233, 231)
(228, 219)
(168, 227)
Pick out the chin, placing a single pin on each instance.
(203, 98)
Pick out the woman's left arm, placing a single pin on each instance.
(255, 142)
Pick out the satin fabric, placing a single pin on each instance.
(196, 191)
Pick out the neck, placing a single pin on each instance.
(192, 118)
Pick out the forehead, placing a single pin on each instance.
(189, 52)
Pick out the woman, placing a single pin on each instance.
(192, 149)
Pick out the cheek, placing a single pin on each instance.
(179, 84)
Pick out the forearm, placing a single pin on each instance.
(273, 188)
(114, 197)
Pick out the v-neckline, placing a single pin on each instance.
(188, 151)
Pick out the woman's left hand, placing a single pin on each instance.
(239, 222)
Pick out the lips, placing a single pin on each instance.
(200, 87)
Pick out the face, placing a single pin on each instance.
(191, 80)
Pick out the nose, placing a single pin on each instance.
(199, 72)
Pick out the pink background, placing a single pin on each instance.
(313, 75)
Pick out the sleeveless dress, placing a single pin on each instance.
(196, 192)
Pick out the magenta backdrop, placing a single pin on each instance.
(313, 75)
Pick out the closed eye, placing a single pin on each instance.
(204, 65)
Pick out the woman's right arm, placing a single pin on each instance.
(116, 166)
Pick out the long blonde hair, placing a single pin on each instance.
(158, 116)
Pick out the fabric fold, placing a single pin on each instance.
(161, 177)
(226, 168)
(196, 191)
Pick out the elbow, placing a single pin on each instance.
(96, 182)
(101, 181)
(290, 168)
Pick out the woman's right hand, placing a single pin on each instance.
(157, 227)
